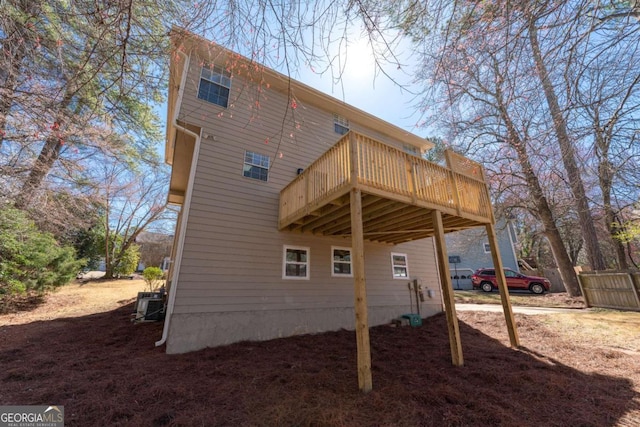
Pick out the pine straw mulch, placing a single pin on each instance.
(106, 371)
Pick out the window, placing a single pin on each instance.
(341, 262)
(487, 248)
(400, 266)
(256, 166)
(510, 273)
(296, 263)
(340, 124)
(214, 85)
(411, 149)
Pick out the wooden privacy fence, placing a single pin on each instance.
(611, 289)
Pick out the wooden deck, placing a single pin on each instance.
(368, 190)
(399, 193)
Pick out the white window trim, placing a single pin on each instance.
(341, 248)
(268, 169)
(486, 248)
(284, 262)
(223, 73)
(393, 266)
(341, 121)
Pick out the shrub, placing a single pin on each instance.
(128, 262)
(30, 260)
(153, 277)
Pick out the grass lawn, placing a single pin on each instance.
(522, 298)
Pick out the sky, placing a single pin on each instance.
(365, 87)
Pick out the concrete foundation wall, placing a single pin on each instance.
(190, 332)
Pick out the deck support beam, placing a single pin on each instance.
(502, 286)
(447, 290)
(360, 291)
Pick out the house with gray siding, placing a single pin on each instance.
(469, 250)
(299, 213)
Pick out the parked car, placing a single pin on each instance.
(485, 279)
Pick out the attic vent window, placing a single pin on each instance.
(214, 85)
(255, 166)
(340, 124)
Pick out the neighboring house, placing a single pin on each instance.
(469, 250)
(155, 248)
(299, 213)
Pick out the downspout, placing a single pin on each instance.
(186, 203)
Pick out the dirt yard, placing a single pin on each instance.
(106, 371)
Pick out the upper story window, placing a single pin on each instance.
(214, 85)
(340, 124)
(411, 149)
(295, 264)
(487, 248)
(255, 166)
(341, 262)
(399, 266)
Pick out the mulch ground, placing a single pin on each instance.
(107, 372)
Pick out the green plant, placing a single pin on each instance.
(30, 260)
(128, 261)
(153, 277)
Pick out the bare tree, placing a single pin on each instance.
(132, 202)
(567, 148)
(604, 92)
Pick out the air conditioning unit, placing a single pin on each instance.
(149, 307)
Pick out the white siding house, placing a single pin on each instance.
(264, 245)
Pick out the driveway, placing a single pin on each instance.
(518, 309)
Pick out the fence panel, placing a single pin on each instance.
(617, 290)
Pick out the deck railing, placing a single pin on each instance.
(385, 170)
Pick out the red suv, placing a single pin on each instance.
(485, 279)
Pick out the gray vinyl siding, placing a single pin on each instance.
(469, 246)
(233, 252)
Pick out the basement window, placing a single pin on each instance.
(295, 263)
(400, 266)
(341, 262)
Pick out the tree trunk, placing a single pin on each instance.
(568, 156)
(606, 182)
(565, 267)
(8, 89)
(108, 268)
(14, 48)
(48, 155)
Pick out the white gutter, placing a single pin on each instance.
(186, 204)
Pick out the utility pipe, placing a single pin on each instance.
(187, 200)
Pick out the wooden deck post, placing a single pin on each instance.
(360, 290)
(447, 290)
(502, 286)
